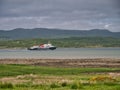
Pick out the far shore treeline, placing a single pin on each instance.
(74, 42)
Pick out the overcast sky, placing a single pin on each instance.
(63, 14)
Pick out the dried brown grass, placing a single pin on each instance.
(86, 62)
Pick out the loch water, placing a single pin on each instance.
(62, 53)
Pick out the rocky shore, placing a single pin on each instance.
(92, 62)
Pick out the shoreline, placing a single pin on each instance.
(83, 62)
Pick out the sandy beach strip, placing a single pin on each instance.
(88, 62)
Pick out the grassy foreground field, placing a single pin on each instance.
(28, 77)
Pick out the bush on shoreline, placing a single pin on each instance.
(76, 42)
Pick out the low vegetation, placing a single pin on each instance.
(64, 42)
(27, 77)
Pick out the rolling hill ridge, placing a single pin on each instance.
(21, 33)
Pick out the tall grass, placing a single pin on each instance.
(6, 85)
(14, 70)
(52, 78)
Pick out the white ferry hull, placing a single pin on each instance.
(51, 48)
(42, 47)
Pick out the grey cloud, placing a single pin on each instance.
(117, 3)
(36, 7)
(76, 14)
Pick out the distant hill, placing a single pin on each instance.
(21, 33)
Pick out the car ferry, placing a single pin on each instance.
(42, 47)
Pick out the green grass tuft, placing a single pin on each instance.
(54, 85)
(6, 85)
